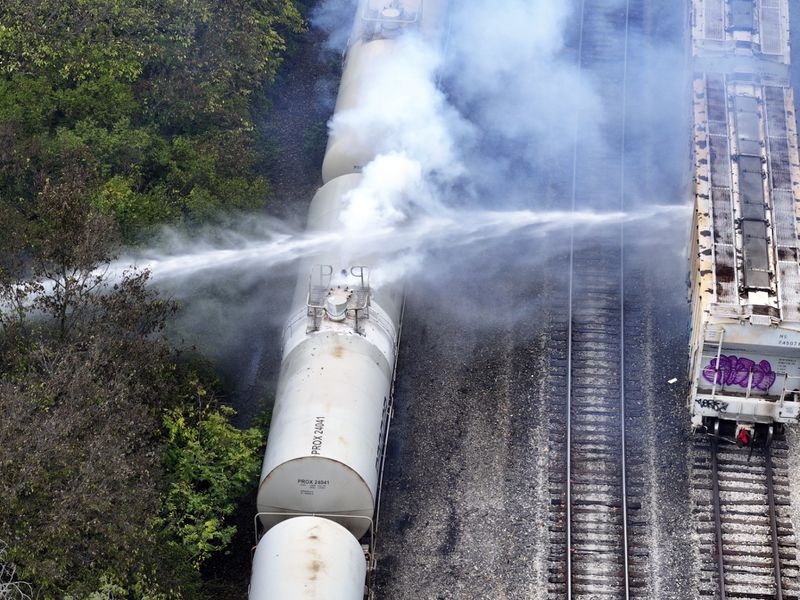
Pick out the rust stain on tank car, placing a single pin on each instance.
(314, 567)
(338, 351)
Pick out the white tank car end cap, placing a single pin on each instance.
(317, 485)
(308, 558)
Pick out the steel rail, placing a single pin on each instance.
(717, 516)
(622, 303)
(569, 318)
(717, 512)
(773, 522)
(622, 178)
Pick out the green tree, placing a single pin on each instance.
(158, 95)
(118, 468)
(210, 464)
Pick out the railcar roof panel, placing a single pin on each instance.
(762, 28)
(752, 193)
(742, 15)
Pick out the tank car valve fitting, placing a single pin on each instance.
(336, 304)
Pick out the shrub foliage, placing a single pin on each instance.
(119, 468)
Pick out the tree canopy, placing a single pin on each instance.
(158, 96)
(119, 466)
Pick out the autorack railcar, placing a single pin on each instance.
(744, 363)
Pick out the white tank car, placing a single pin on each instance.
(310, 558)
(373, 40)
(331, 415)
(745, 275)
(328, 424)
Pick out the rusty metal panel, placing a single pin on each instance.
(790, 290)
(751, 180)
(779, 167)
(723, 216)
(779, 161)
(748, 126)
(783, 218)
(746, 104)
(725, 270)
(716, 98)
(751, 164)
(718, 128)
(720, 161)
(753, 212)
(746, 108)
(756, 279)
(714, 18)
(776, 110)
(754, 230)
(751, 192)
(756, 255)
(749, 146)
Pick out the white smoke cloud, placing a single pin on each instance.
(509, 63)
(465, 134)
(401, 109)
(391, 184)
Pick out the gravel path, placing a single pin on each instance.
(464, 510)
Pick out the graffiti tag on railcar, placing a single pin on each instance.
(715, 405)
(733, 370)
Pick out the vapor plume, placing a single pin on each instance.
(474, 139)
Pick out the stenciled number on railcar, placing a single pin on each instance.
(316, 440)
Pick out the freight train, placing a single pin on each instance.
(324, 457)
(744, 363)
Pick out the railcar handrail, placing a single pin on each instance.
(379, 18)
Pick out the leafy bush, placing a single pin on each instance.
(118, 468)
(210, 464)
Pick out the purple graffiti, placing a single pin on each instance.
(736, 371)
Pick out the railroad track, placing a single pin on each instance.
(741, 507)
(597, 561)
(590, 552)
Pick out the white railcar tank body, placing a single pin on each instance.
(321, 472)
(328, 423)
(310, 558)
